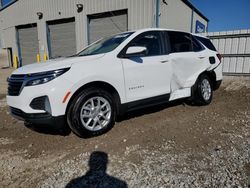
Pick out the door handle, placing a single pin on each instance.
(164, 61)
(201, 57)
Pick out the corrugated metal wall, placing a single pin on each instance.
(199, 18)
(1, 40)
(104, 25)
(4, 57)
(62, 38)
(177, 15)
(27, 40)
(25, 12)
(141, 14)
(235, 48)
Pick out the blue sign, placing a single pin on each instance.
(199, 27)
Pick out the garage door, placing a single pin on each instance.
(106, 24)
(62, 38)
(28, 44)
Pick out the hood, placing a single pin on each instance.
(54, 64)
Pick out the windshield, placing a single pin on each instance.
(105, 45)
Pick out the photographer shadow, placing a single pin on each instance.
(96, 176)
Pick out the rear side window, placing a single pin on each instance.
(180, 42)
(196, 45)
(206, 43)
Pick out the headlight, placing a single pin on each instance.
(44, 77)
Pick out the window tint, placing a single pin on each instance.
(206, 42)
(166, 42)
(151, 40)
(196, 45)
(180, 42)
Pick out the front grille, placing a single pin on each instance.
(15, 84)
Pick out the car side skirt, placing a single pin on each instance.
(144, 103)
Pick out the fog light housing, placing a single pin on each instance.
(41, 103)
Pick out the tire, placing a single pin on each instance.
(91, 113)
(203, 90)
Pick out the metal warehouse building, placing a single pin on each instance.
(57, 28)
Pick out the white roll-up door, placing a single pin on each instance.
(28, 43)
(106, 24)
(62, 38)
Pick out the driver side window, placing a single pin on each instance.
(150, 40)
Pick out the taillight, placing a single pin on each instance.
(219, 56)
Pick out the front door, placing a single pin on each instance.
(149, 75)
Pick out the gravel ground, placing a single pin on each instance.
(4, 73)
(168, 146)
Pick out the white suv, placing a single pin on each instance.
(114, 75)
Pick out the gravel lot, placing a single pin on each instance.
(4, 73)
(176, 145)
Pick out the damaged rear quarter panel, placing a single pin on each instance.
(187, 66)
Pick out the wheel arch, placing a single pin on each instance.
(97, 84)
(212, 76)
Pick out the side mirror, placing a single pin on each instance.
(136, 51)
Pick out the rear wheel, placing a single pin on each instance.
(203, 91)
(92, 113)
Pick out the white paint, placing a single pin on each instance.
(180, 93)
(134, 79)
(135, 49)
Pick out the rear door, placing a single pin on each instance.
(149, 75)
(187, 59)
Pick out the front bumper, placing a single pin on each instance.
(58, 123)
(54, 90)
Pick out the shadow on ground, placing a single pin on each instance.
(153, 109)
(47, 129)
(96, 176)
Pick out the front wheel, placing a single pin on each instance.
(92, 113)
(203, 91)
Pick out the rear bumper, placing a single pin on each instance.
(39, 119)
